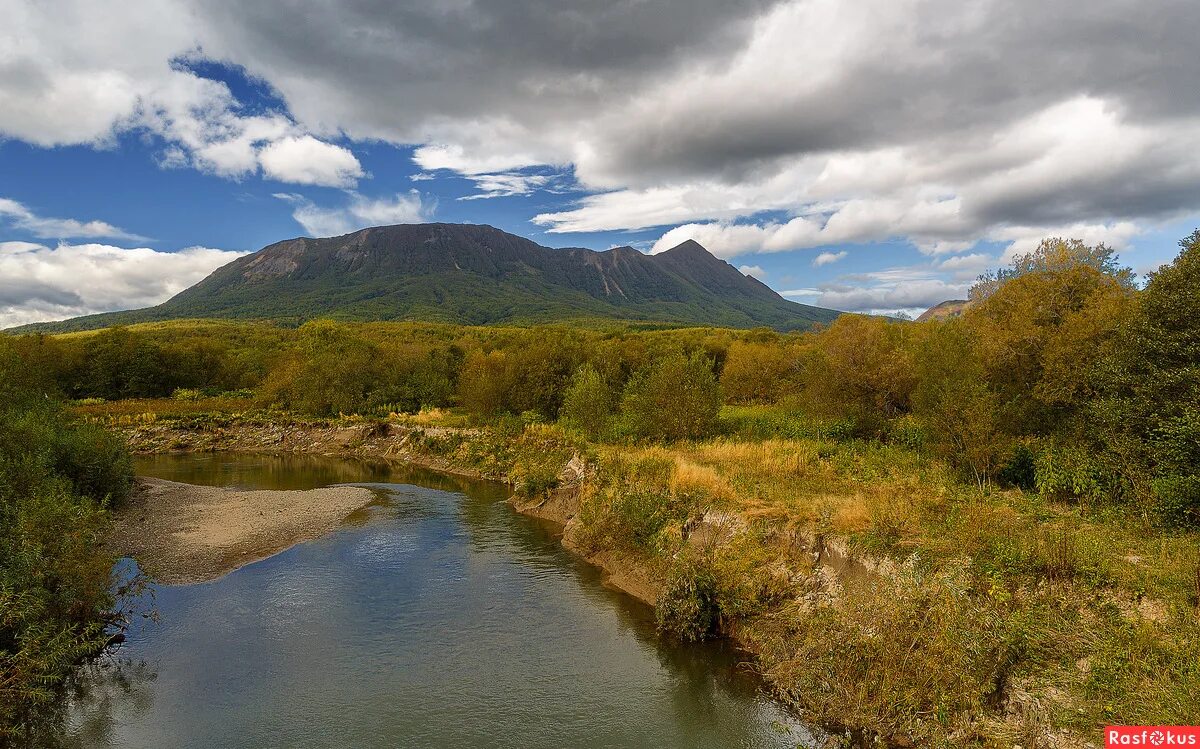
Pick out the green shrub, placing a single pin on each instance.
(676, 397)
(57, 477)
(1071, 472)
(1177, 500)
(638, 514)
(589, 403)
(1019, 468)
(687, 606)
(909, 432)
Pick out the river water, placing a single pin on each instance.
(437, 617)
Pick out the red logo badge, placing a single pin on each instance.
(1152, 736)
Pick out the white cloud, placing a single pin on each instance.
(910, 290)
(506, 185)
(939, 122)
(886, 298)
(827, 258)
(755, 271)
(80, 72)
(973, 262)
(359, 213)
(304, 160)
(40, 283)
(1023, 239)
(21, 217)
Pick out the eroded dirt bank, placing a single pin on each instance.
(182, 533)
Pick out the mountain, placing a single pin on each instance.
(947, 309)
(469, 274)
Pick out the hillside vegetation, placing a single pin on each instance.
(473, 275)
(973, 531)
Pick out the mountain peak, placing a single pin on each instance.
(688, 247)
(474, 274)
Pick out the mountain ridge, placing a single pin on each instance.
(470, 274)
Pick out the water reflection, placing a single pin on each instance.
(92, 698)
(439, 617)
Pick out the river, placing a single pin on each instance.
(436, 617)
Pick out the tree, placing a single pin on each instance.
(1152, 417)
(676, 397)
(757, 372)
(589, 402)
(1055, 254)
(862, 367)
(331, 370)
(483, 384)
(541, 370)
(953, 401)
(1042, 331)
(125, 364)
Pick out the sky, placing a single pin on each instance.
(869, 156)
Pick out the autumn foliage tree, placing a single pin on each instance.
(862, 367)
(758, 372)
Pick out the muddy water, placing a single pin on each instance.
(436, 618)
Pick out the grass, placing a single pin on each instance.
(159, 407)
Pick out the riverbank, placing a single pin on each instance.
(878, 591)
(182, 533)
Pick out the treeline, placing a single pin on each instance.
(58, 478)
(1062, 376)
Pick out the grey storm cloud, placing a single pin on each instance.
(390, 70)
(15, 292)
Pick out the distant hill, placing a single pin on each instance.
(949, 308)
(468, 274)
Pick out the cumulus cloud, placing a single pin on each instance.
(754, 271)
(40, 283)
(21, 217)
(358, 213)
(828, 258)
(939, 122)
(304, 160)
(81, 72)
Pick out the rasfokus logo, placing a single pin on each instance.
(1152, 736)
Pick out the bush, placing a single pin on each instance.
(57, 478)
(637, 514)
(1177, 500)
(677, 397)
(904, 657)
(1071, 472)
(1019, 468)
(757, 372)
(589, 403)
(687, 606)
